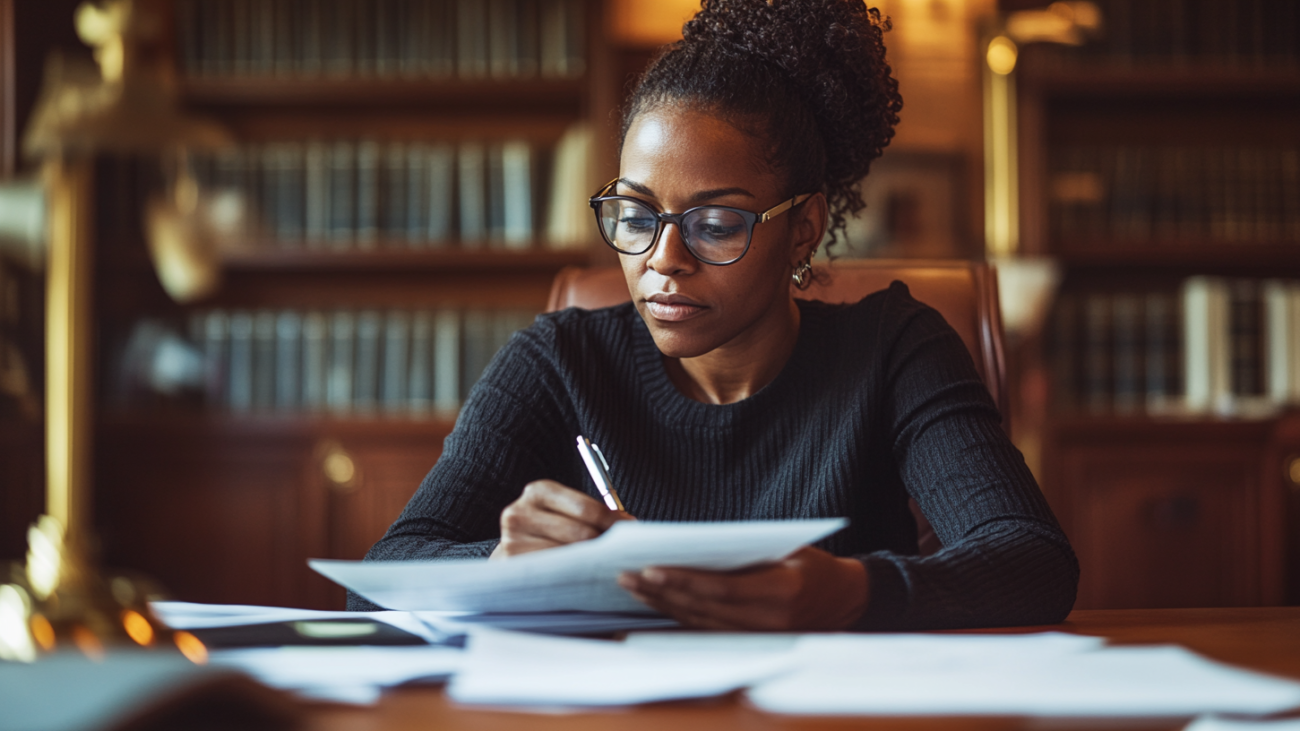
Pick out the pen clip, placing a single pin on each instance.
(596, 448)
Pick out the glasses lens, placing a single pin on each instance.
(716, 234)
(628, 225)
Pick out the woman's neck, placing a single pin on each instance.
(739, 369)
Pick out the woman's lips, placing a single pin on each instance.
(673, 307)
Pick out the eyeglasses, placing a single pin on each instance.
(718, 235)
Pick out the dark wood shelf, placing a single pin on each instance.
(1194, 79)
(1274, 259)
(382, 259)
(362, 92)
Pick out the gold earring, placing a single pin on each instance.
(803, 274)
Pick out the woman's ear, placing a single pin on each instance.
(809, 220)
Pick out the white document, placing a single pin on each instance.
(1026, 675)
(344, 674)
(189, 615)
(580, 576)
(456, 624)
(511, 668)
(1217, 723)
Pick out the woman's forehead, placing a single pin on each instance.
(674, 148)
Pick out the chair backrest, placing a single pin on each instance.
(964, 292)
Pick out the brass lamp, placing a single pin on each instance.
(59, 599)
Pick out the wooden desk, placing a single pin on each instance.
(1266, 639)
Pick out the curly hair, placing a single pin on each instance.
(807, 77)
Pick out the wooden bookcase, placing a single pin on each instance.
(1164, 507)
(227, 506)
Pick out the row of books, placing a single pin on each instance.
(1235, 194)
(1215, 346)
(1241, 32)
(345, 194)
(397, 363)
(470, 39)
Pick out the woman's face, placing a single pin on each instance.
(675, 160)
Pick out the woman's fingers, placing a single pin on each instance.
(549, 514)
(809, 590)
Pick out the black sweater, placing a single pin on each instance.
(880, 400)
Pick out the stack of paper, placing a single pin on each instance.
(1025, 675)
(510, 668)
(342, 674)
(580, 576)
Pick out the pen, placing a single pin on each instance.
(599, 470)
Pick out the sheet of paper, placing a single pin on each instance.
(345, 674)
(580, 576)
(189, 615)
(1218, 723)
(511, 668)
(1014, 675)
(553, 623)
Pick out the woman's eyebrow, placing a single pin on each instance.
(700, 197)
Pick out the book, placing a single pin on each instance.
(471, 164)
(1163, 356)
(216, 338)
(1097, 358)
(264, 346)
(420, 371)
(316, 350)
(396, 358)
(446, 361)
(365, 389)
(317, 196)
(517, 194)
(471, 39)
(289, 363)
(477, 347)
(240, 381)
(367, 195)
(440, 192)
(341, 203)
(1206, 354)
(342, 336)
(394, 196)
(1126, 322)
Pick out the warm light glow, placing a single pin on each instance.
(43, 632)
(137, 627)
(88, 642)
(1001, 55)
(649, 22)
(15, 641)
(44, 556)
(192, 648)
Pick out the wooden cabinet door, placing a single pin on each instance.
(366, 478)
(211, 514)
(1166, 522)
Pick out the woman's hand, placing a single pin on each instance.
(549, 514)
(810, 590)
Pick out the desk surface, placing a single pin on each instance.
(1265, 639)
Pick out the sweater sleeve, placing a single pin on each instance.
(1005, 560)
(509, 433)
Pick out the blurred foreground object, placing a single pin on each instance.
(135, 691)
(59, 600)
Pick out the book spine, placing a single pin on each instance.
(471, 39)
(438, 209)
(397, 338)
(394, 197)
(420, 384)
(471, 162)
(316, 166)
(446, 361)
(338, 396)
(1127, 349)
(240, 384)
(288, 361)
(1097, 352)
(342, 195)
(316, 347)
(517, 191)
(263, 360)
(367, 195)
(477, 350)
(365, 393)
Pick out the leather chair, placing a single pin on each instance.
(964, 292)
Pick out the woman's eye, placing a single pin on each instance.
(717, 230)
(637, 223)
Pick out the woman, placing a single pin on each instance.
(717, 396)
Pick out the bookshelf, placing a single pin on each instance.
(402, 167)
(1160, 167)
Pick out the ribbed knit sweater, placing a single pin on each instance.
(879, 400)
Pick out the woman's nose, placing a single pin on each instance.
(670, 255)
